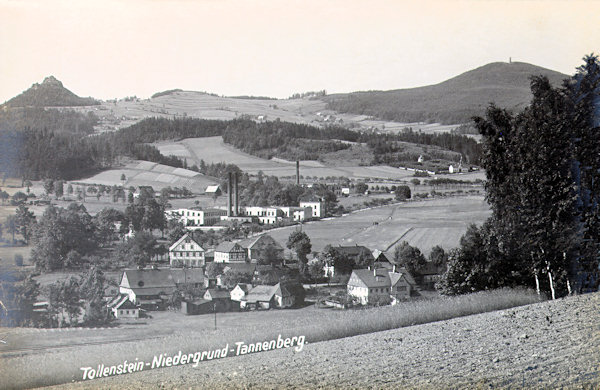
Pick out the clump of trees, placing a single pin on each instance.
(299, 242)
(543, 185)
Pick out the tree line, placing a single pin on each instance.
(543, 185)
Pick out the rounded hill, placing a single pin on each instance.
(453, 101)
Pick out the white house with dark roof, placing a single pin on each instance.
(147, 287)
(230, 252)
(379, 286)
(150, 288)
(186, 252)
(260, 297)
(122, 307)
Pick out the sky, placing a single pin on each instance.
(111, 49)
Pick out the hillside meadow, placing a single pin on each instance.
(423, 223)
(116, 115)
(214, 150)
(56, 362)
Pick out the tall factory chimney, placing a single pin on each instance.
(229, 193)
(236, 204)
(297, 172)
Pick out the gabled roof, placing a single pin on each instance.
(281, 291)
(147, 278)
(228, 246)
(295, 288)
(123, 303)
(368, 277)
(187, 276)
(240, 267)
(211, 189)
(260, 241)
(352, 250)
(188, 236)
(260, 294)
(245, 287)
(215, 293)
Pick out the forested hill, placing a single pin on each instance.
(453, 101)
(50, 93)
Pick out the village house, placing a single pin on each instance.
(282, 295)
(230, 252)
(220, 298)
(260, 297)
(121, 307)
(151, 288)
(379, 286)
(186, 252)
(188, 277)
(147, 288)
(257, 246)
(316, 206)
(239, 291)
(360, 255)
(213, 190)
(296, 213)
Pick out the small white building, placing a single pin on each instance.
(213, 190)
(186, 252)
(316, 207)
(122, 307)
(240, 291)
(296, 213)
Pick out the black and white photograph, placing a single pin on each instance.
(300, 194)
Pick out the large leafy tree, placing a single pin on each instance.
(59, 232)
(299, 242)
(410, 257)
(25, 221)
(542, 169)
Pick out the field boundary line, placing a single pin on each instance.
(410, 229)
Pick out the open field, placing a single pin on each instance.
(424, 224)
(121, 114)
(214, 150)
(59, 353)
(145, 173)
(552, 344)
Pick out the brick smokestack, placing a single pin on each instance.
(236, 204)
(229, 194)
(297, 172)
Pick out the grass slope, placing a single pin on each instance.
(453, 101)
(197, 333)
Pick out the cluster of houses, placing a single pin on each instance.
(153, 289)
(186, 252)
(384, 282)
(267, 215)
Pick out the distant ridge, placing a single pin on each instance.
(50, 93)
(453, 101)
